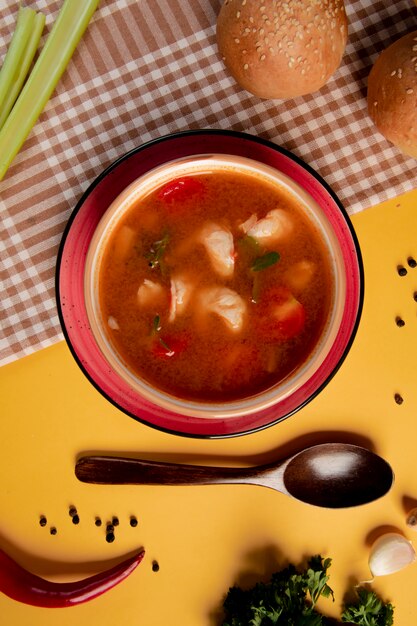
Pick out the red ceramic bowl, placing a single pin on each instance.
(94, 355)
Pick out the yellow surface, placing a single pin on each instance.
(207, 538)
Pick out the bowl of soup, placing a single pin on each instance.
(219, 294)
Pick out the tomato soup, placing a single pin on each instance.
(215, 286)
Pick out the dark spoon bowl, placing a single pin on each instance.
(337, 475)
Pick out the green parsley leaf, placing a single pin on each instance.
(156, 325)
(249, 245)
(265, 261)
(156, 252)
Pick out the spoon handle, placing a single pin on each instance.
(107, 470)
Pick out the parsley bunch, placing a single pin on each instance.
(290, 598)
(369, 611)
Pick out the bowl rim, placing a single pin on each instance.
(121, 206)
(221, 424)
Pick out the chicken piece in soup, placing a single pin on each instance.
(215, 287)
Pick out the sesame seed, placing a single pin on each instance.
(409, 91)
(237, 40)
(393, 73)
(263, 57)
(246, 66)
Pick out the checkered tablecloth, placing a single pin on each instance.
(146, 68)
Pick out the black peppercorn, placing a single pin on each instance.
(75, 519)
(401, 270)
(98, 521)
(411, 262)
(133, 521)
(110, 537)
(399, 321)
(72, 511)
(42, 520)
(398, 398)
(53, 530)
(115, 520)
(155, 566)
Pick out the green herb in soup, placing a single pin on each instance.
(215, 287)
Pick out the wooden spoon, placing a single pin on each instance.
(332, 475)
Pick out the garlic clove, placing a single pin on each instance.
(390, 553)
(412, 519)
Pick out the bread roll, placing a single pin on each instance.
(392, 93)
(282, 48)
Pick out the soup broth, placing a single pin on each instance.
(215, 286)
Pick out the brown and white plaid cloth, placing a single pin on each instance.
(146, 68)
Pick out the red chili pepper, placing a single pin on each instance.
(181, 189)
(21, 585)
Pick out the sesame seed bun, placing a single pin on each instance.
(282, 48)
(392, 93)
